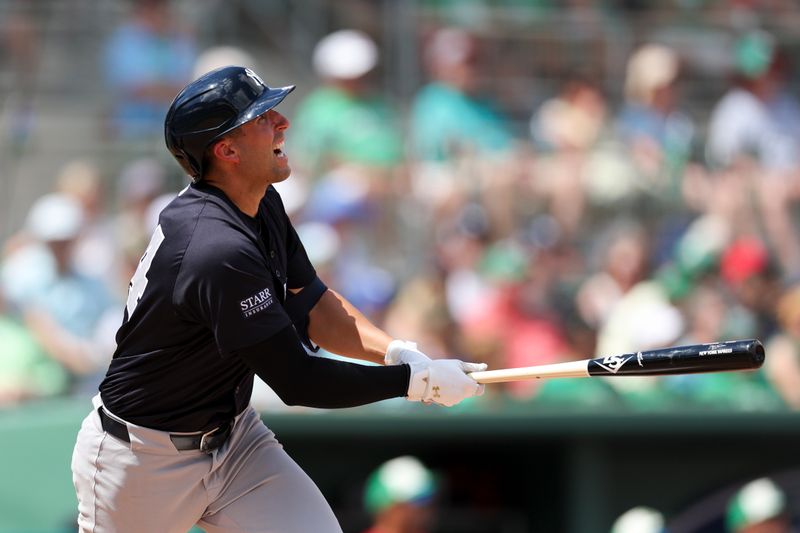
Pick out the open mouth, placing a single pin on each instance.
(278, 150)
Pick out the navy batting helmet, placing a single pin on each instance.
(211, 106)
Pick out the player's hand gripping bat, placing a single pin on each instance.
(692, 359)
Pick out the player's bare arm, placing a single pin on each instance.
(338, 327)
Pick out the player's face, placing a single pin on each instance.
(262, 145)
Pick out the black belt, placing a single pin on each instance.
(205, 442)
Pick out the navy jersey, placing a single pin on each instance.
(212, 281)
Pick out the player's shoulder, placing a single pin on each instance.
(211, 225)
(206, 206)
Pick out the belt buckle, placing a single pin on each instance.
(205, 444)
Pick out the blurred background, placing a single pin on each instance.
(518, 182)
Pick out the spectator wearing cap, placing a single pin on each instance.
(750, 272)
(760, 506)
(345, 122)
(399, 496)
(221, 56)
(69, 314)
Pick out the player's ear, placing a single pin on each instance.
(225, 150)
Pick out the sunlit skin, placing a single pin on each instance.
(248, 161)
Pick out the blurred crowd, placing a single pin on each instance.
(606, 226)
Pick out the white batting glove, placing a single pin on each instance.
(400, 352)
(443, 381)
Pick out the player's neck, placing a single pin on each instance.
(244, 194)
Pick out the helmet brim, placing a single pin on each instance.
(268, 99)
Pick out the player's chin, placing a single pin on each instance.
(281, 174)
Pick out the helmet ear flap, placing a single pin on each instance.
(188, 163)
(176, 147)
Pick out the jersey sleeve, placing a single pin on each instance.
(225, 285)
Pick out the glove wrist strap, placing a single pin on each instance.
(418, 383)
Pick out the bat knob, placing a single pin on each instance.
(757, 352)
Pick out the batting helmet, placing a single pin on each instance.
(211, 106)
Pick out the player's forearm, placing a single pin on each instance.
(302, 379)
(337, 326)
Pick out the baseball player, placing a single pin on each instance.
(224, 291)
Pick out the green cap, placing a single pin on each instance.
(754, 53)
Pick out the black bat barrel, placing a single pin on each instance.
(696, 358)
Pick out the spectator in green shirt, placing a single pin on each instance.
(344, 121)
(448, 117)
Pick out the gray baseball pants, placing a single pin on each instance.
(249, 484)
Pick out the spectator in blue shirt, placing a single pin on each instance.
(147, 60)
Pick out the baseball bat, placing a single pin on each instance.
(692, 359)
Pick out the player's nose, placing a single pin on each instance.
(279, 121)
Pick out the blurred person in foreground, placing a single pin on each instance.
(147, 59)
(760, 506)
(399, 496)
(753, 145)
(224, 291)
(70, 314)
